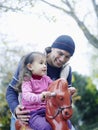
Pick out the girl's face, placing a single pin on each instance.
(58, 57)
(38, 67)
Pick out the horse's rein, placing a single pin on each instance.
(59, 110)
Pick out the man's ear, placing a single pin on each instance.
(29, 66)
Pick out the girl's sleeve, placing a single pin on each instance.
(28, 95)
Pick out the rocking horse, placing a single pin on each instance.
(58, 108)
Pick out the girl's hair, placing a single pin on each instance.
(25, 74)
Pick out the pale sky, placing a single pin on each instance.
(35, 29)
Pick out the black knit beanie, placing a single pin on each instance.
(64, 42)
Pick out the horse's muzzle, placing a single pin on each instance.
(67, 112)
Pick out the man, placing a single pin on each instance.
(58, 56)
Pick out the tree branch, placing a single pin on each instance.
(95, 5)
(91, 38)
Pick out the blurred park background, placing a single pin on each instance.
(32, 25)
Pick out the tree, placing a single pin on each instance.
(4, 113)
(87, 104)
(17, 5)
(67, 7)
(9, 57)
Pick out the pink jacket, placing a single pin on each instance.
(31, 92)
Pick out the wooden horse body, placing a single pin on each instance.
(20, 126)
(58, 108)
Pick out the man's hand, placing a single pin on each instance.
(22, 114)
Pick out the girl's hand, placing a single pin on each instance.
(44, 95)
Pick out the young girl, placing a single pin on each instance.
(34, 89)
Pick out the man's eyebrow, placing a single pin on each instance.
(61, 52)
(65, 55)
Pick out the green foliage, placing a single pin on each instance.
(87, 105)
(4, 113)
(93, 126)
(9, 59)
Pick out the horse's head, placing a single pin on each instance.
(61, 102)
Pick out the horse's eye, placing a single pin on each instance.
(61, 98)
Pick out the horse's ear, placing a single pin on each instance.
(72, 90)
(69, 90)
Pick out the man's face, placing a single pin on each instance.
(58, 57)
